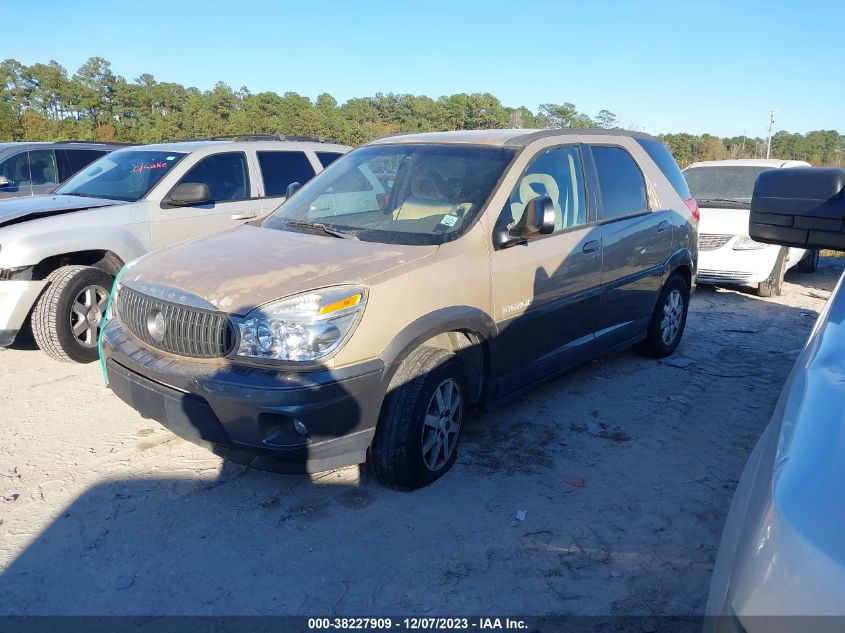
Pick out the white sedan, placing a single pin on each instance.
(726, 254)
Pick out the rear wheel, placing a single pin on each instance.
(417, 436)
(668, 321)
(67, 317)
(810, 263)
(772, 286)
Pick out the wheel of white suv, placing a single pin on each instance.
(810, 263)
(67, 317)
(669, 319)
(421, 420)
(772, 286)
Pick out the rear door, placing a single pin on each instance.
(636, 241)
(234, 200)
(546, 292)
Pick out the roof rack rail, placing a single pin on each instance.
(94, 142)
(272, 137)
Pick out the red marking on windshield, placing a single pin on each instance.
(140, 168)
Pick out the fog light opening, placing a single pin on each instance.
(300, 428)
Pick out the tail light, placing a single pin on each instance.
(692, 205)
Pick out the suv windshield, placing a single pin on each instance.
(722, 186)
(397, 194)
(124, 175)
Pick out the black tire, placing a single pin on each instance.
(773, 285)
(654, 344)
(52, 316)
(396, 455)
(810, 262)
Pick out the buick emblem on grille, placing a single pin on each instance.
(156, 325)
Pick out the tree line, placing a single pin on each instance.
(45, 102)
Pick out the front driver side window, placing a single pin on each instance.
(16, 169)
(556, 173)
(225, 174)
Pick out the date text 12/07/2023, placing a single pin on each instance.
(418, 624)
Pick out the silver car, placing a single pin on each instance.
(783, 552)
(32, 169)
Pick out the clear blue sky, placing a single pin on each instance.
(716, 66)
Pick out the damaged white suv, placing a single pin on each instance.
(59, 253)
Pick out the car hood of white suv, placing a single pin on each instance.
(16, 210)
(724, 221)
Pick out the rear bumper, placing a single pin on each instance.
(16, 301)
(247, 414)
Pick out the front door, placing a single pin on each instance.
(234, 201)
(546, 291)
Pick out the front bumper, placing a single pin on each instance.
(246, 414)
(16, 301)
(727, 266)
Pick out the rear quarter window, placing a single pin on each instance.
(663, 158)
(279, 169)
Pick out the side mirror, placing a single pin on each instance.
(4, 182)
(189, 193)
(292, 189)
(538, 218)
(799, 206)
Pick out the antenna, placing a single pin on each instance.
(771, 125)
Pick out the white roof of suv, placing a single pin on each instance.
(772, 163)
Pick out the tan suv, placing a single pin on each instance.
(414, 277)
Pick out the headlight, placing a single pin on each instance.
(304, 327)
(747, 244)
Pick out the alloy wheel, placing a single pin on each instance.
(442, 425)
(673, 312)
(87, 313)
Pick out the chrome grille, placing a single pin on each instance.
(187, 331)
(712, 241)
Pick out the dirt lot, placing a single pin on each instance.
(625, 468)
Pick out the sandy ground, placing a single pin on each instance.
(625, 467)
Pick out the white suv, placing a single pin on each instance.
(59, 253)
(727, 255)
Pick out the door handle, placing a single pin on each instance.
(662, 226)
(592, 246)
(249, 215)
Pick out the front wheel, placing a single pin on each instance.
(417, 436)
(668, 321)
(67, 317)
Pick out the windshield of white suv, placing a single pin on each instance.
(723, 186)
(125, 175)
(397, 194)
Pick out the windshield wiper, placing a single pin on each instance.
(81, 195)
(704, 201)
(317, 226)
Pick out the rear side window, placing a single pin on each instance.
(661, 155)
(279, 169)
(74, 160)
(621, 183)
(327, 158)
(225, 174)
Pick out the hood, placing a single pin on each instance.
(246, 267)
(724, 221)
(13, 210)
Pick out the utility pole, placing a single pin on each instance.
(769, 139)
